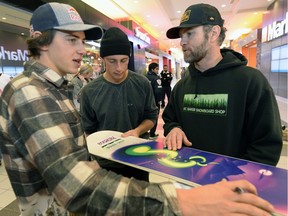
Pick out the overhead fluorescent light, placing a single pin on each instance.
(92, 43)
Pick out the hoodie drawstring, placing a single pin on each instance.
(196, 86)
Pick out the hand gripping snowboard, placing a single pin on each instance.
(191, 166)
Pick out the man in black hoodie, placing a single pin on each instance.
(156, 84)
(222, 105)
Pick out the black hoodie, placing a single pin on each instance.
(156, 85)
(229, 109)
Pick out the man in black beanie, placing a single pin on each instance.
(115, 42)
(119, 100)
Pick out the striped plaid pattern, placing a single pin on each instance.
(45, 155)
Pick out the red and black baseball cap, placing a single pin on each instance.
(64, 17)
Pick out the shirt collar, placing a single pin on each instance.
(46, 73)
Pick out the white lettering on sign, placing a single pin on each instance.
(275, 30)
(18, 55)
(142, 35)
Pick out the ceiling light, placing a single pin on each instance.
(239, 32)
(92, 43)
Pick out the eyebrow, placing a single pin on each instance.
(116, 59)
(184, 30)
(69, 33)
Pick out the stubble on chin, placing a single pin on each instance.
(193, 58)
(188, 58)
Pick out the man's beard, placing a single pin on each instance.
(197, 54)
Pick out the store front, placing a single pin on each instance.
(146, 46)
(273, 51)
(140, 40)
(267, 48)
(13, 53)
(13, 47)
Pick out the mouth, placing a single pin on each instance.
(77, 61)
(184, 50)
(118, 74)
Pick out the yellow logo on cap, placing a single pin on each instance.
(185, 16)
(212, 18)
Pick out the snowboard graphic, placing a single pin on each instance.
(191, 166)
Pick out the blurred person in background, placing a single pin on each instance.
(155, 81)
(83, 77)
(166, 79)
(4, 79)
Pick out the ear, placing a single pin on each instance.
(35, 34)
(215, 32)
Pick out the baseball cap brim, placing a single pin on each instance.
(173, 33)
(92, 32)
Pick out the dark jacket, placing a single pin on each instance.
(166, 78)
(229, 109)
(156, 85)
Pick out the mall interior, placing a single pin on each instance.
(265, 47)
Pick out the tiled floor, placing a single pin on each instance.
(8, 206)
(6, 194)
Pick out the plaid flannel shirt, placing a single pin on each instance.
(45, 155)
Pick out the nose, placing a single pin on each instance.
(81, 48)
(118, 66)
(182, 41)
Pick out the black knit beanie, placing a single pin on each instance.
(115, 42)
